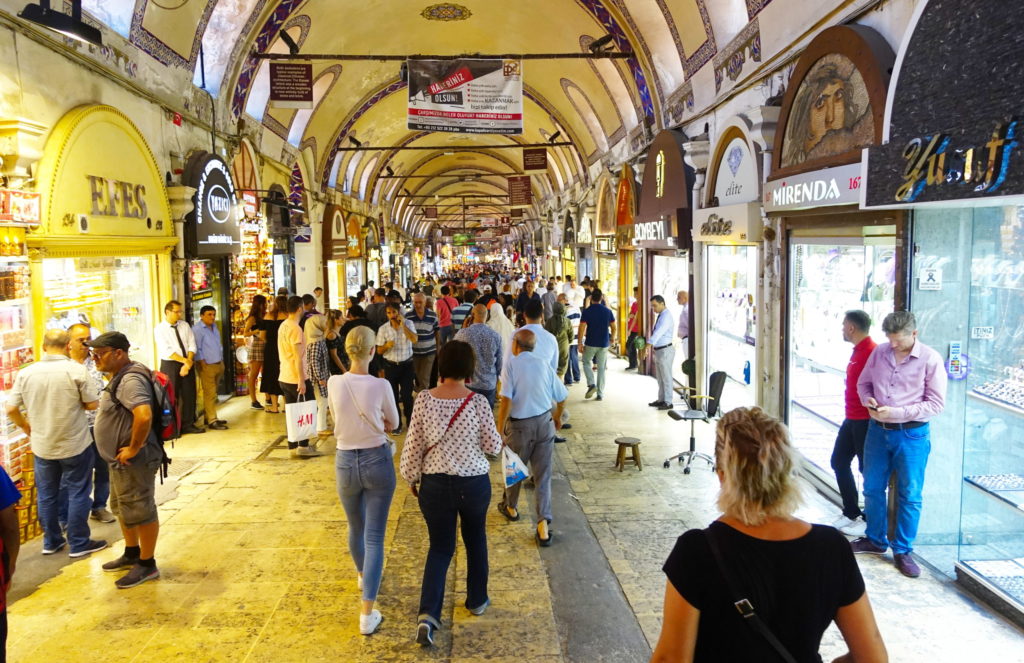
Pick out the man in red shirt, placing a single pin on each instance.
(633, 327)
(444, 306)
(850, 440)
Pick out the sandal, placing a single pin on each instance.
(509, 512)
(544, 542)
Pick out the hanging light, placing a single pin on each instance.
(70, 26)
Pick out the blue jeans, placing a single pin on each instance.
(572, 373)
(447, 333)
(904, 452)
(76, 474)
(100, 487)
(489, 394)
(591, 354)
(366, 484)
(444, 499)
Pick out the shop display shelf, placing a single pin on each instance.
(11, 259)
(999, 581)
(1007, 488)
(1006, 405)
(20, 301)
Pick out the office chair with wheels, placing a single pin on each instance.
(710, 404)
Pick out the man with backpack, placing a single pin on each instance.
(128, 429)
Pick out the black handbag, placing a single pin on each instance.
(743, 605)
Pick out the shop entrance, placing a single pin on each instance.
(827, 277)
(731, 336)
(671, 274)
(209, 285)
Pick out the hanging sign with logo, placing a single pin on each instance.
(822, 188)
(519, 192)
(213, 224)
(291, 85)
(535, 159)
(625, 208)
(584, 234)
(20, 207)
(729, 223)
(466, 96)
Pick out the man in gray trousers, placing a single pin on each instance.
(528, 388)
(660, 341)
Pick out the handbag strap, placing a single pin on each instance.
(360, 410)
(451, 421)
(743, 605)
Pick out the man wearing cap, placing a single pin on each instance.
(176, 346)
(55, 392)
(126, 439)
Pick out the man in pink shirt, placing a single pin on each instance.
(444, 307)
(903, 386)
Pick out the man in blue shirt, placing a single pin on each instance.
(528, 388)
(595, 336)
(528, 293)
(660, 341)
(486, 344)
(428, 334)
(463, 310)
(210, 361)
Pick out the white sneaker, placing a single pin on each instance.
(854, 527)
(369, 623)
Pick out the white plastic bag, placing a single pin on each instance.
(301, 419)
(515, 468)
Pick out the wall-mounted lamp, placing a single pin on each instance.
(598, 45)
(70, 26)
(356, 143)
(293, 48)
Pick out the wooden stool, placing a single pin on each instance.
(632, 443)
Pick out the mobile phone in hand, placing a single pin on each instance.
(872, 407)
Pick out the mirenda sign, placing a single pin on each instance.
(821, 188)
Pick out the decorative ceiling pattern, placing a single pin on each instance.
(446, 12)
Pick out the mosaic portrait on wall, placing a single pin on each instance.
(831, 113)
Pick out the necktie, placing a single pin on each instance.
(178, 336)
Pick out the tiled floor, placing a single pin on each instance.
(255, 564)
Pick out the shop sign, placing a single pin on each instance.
(606, 245)
(624, 205)
(824, 188)
(20, 207)
(535, 159)
(116, 198)
(519, 192)
(355, 237)
(430, 212)
(653, 234)
(214, 223)
(731, 223)
(585, 236)
(291, 85)
(466, 96)
(250, 204)
(736, 180)
(488, 223)
(667, 184)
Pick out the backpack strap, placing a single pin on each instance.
(133, 369)
(743, 605)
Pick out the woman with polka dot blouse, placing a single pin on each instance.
(451, 431)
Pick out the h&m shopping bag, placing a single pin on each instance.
(301, 419)
(515, 468)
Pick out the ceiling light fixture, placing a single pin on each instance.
(70, 26)
(352, 139)
(390, 172)
(293, 48)
(598, 45)
(555, 136)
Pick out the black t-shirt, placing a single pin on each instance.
(796, 586)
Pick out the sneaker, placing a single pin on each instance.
(103, 515)
(138, 575)
(369, 623)
(425, 634)
(55, 549)
(599, 398)
(864, 545)
(906, 564)
(851, 527)
(308, 452)
(255, 406)
(480, 609)
(566, 426)
(559, 439)
(90, 548)
(655, 404)
(121, 562)
(217, 425)
(665, 406)
(590, 392)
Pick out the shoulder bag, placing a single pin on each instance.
(743, 605)
(451, 421)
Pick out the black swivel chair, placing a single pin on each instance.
(705, 412)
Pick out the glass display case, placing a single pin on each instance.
(732, 321)
(827, 278)
(15, 342)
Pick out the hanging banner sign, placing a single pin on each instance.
(291, 85)
(535, 159)
(429, 212)
(517, 213)
(488, 223)
(483, 96)
(519, 192)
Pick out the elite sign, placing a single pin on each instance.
(216, 226)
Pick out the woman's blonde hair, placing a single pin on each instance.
(360, 342)
(753, 452)
(315, 327)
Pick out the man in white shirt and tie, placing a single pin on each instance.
(660, 342)
(176, 346)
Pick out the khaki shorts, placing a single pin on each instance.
(133, 487)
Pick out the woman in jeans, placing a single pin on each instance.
(799, 577)
(452, 429)
(318, 367)
(364, 410)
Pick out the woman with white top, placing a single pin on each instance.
(452, 429)
(364, 410)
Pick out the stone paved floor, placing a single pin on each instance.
(255, 566)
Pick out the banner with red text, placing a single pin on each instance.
(466, 96)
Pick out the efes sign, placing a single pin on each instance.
(213, 225)
(823, 188)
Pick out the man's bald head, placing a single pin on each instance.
(480, 312)
(524, 340)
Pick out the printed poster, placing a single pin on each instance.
(466, 96)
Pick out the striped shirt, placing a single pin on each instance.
(426, 331)
(460, 313)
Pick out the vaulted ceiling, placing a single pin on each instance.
(593, 104)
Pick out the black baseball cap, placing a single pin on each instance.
(113, 339)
